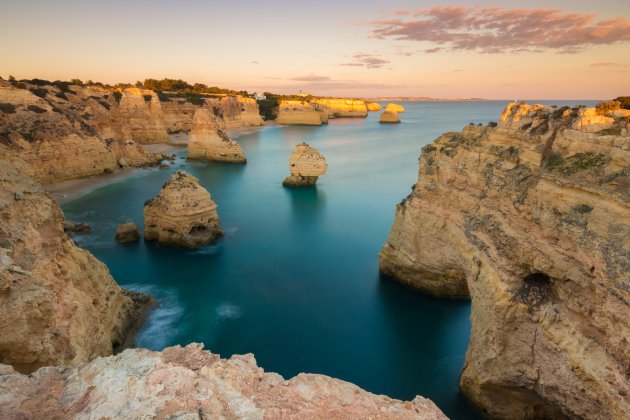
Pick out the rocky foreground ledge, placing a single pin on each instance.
(191, 383)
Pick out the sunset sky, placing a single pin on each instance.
(535, 49)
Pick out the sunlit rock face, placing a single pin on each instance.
(58, 304)
(343, 107)
(208, 141)
(183, 214)
(178, 115)
(67, 131)
(373, 106)
(298, 113)
(306, 165)
(143, 109)
(392, 107)
(531, 219)
(389, 117)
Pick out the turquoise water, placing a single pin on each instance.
(295, 279)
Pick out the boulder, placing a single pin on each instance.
(128, 232)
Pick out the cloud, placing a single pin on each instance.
(311, 78)
(496, 30)
(254, 62)
(367, 60)
(605, 65)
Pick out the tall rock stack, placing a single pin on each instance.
(183, 214)
(208, 141)
(306, 165)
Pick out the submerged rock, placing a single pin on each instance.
(72, 228)
(128, 232)
(183, 214)
(531, 218)
(306, 165)
(208, 141)
(389, 117)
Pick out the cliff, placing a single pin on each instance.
(178, 115)
(208, 141)
(191, 383)
(532, 220)
(238, 111)
(306, 165)
(183, 214)
(343, 108)
(144, 111)
(298, 113)
(67, 132)
(389, 117)
(58, 304)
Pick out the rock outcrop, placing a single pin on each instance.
(183, 214)
(306, 165)
(373, 106)
(66, 131)
(343, 108)
(298, 113)
(532, 220)
(389, 117)
(58, 303)
(208, 141)
(146, 119)
(178, 115)
(236, 111)
(127, 232)
(392, 107)
(192, 383)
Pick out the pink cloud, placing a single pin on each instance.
(495, 30)
(605, 65)
(367, 60)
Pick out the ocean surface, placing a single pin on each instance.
(295, 279)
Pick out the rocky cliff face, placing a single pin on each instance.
(532, 219)
(183, 214)
(178, 115)
(298, 113)
(68, 132)
(58, 304)
(144, 111)
(237, 111)
(208, 141)
(306, 165)
(191, 383)
(343, 108)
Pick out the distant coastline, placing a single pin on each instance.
(420, 99)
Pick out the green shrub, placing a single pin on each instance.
(606, 107)
(268, 108)
(36, 109)
(582, 209)
(61, 95)
(63, 86)
(7, 108)
(41, 92)
(20, 85)
(492, 124)
(117, 96)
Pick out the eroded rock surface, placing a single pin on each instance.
(389, 117)
(183, 214)
(127, 232)
(192, 383)
(299, 113)
(306, 165)
(208, 141)
(343, 107)
(144, 111)
(532, 219)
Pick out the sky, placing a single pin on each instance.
(510, 49)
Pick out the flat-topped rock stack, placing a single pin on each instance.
(183, 214)
(389, 117)
(208, 141)
(306, 165)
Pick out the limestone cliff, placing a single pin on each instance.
(343, 108)
(178, 115)
(66, 132)
(208, 141)
(389, 117)
(236, 111)
(189, 383)
(532, 219)
(298, 113)
(392, 107)
(144, 111)
(58, 304)
(306, 165)
(373, 106)
(183, 214)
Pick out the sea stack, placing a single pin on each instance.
(389, 117)
(373, 106)
(183, 214)
(208, 141)
(392, 107)
(306, 165)
(128, 232)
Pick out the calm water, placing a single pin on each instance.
(295, 279)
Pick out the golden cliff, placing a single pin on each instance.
(178, 115)
(144, 111)
(392, 107)
(532, 220)
(343, 108)
(208, 141)
(298, 113)
(58, 303)
(190, 383)
(373, 106)
(306, 165)
(183, 214)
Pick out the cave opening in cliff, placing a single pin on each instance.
(535, 291)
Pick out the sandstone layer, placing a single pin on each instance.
(373, 106)
(298, 113)
(178, 115)
(389, 117)
(392, 107)
(146, 119)
(189, 383)
(343, 108)
(208, 141)
(58, 304)
(532, 220)
(306, 165)
(183, 214)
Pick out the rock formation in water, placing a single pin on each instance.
(532, 220)
(298, 113)
(146, 119)
(208, 141)
(58, 303)
(389, 117)
(183, 214)
(189, 383)
(66, 131)
(343, 108)
(373, 106)
(306, 165)
(392, 107)
(127, 232)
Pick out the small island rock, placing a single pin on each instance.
(306, 165)
(392, 107)
(389, 117)
(128, 232)
(374, 106)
